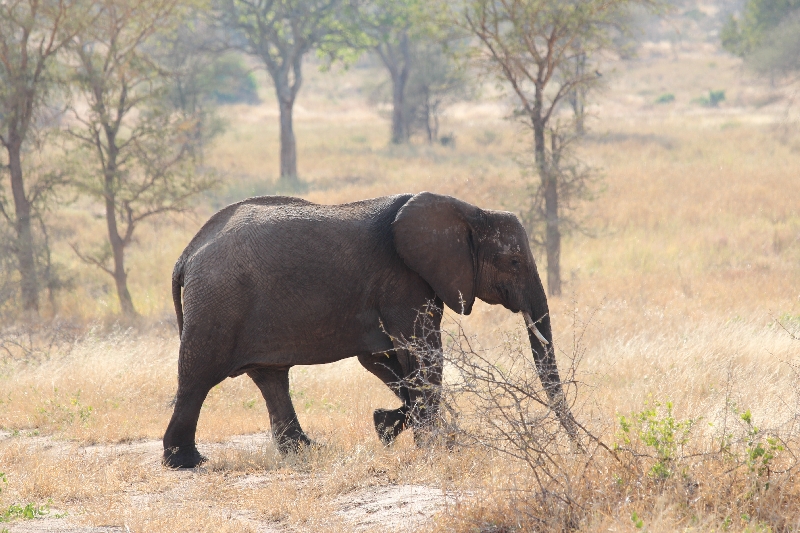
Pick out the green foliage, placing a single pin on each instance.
(779, 52)
(657, 428)
(280, 33)
(741, 36)
(66, 413)
(387, 23)
(760, 450)
(27, 512)
(638, 523)
(713, 99)
(32, 36)
(139, 151)
(228, 81)
(766, 35)
(249, 404)
(666, 98)
(202, 74)
(752, 447)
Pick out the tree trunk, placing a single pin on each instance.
(121, 281)
(24, 246)
(577, 96)
(399, 130)
(552, 236)
(550, 185)
(398, 63)
(117, 242)
(288, 143)
(429, 128)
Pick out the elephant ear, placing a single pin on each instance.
(434, 236)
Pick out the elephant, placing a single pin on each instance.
(272, 282)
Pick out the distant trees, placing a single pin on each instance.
(392, 26)
(544, 50)
(405, 35)
(138, 79)
(280, 33)
(767, 36)
(141, 150)
(32, 33)
(437, 80)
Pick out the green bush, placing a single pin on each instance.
(666, 98)
(657, 428)
(28, 512)
(713, 99)
(228, 81)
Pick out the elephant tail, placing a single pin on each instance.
(177, 283)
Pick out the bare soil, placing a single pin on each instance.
(383, 508)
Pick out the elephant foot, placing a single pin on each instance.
(294, 443)
(182, 457)
(389, 423)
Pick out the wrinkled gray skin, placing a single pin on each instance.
(273, 282)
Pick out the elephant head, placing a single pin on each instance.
(465, 252)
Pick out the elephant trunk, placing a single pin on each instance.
(540, 336)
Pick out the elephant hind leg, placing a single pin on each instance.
(179, 439)
(274, 386)
(389, 423)
(196, 377)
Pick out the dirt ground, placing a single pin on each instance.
(385, 508)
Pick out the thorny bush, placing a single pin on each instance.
(492, 398)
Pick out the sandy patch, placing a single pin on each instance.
(391, 508)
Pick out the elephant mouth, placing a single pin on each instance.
(506, 299)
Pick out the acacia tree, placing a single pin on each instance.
(766, 35)
(32, 33)
(143, 150)
(414, 49)
(391, 26)
(533, 45)
(280, 33)
(436, 81)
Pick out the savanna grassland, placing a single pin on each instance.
(681, 318)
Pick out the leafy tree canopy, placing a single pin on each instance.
(766, 35)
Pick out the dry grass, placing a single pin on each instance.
(696, 260)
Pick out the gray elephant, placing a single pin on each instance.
(272, 282)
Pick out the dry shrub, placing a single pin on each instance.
(34, 341)
(722, 469)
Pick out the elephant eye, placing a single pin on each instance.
(515, 261)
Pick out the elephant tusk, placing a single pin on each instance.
(532, 326)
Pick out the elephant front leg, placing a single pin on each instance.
(424, 379)
(422, 364)
(389, 423)
(417, 349)
(274, 386)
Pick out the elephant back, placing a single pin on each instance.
(222, 218)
